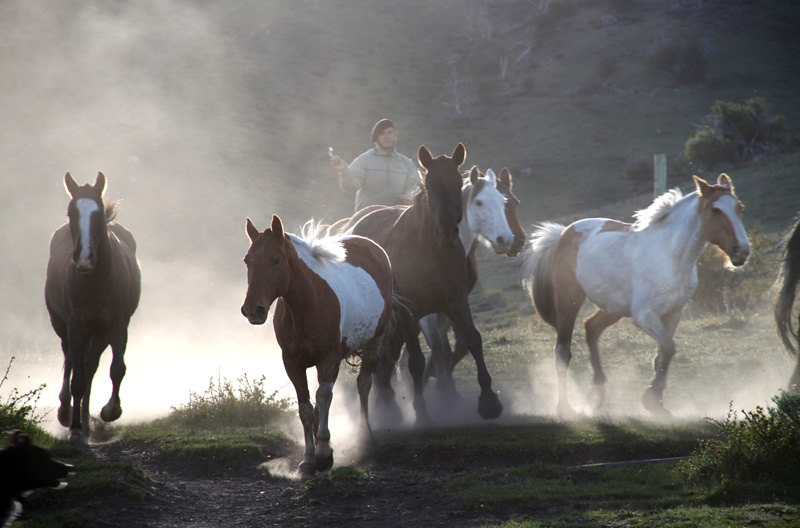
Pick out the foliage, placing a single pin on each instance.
(736, 133)
(223, 404)
(721, 290)
(18, 411)
(762, 447)
(685, 62)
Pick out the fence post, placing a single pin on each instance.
(659, 175)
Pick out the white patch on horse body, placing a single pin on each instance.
(619, 270)
(360, 301)
(86, 208)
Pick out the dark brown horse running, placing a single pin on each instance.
(788, 278)
(334, 299)
(430, 272)
(91, 291)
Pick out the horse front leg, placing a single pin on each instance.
(326, 375)
(489, 406)
(369, 361)
(80, 348)
(297, 375)
(113, 409)
(440, 365)
(65, 396)
(416, 365)
(661, 329)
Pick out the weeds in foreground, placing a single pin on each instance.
(18, 410)
(224, 404)
(763, 447)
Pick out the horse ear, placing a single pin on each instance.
(492, 177)
(459, 154)
(474, 174)
(725, 180)
(424, 156)
(505, 176)
(277, 225)
(251, 230)
(702, 186)
(70, 184)
(100, 183)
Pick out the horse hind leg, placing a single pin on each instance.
(594, 327)
(65, 396)
(568, 303)
(113, 409)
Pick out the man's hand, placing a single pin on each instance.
(338, 163)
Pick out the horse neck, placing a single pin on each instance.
(467, 234)
(300, 288)
(682, 231)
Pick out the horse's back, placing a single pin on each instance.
(378, 223)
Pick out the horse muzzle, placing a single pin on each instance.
(739, 254)
(257, 316)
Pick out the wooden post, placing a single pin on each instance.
(659, 175)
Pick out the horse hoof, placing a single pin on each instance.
(77, 438)
(109, 414)
(652, 401)
(325, 463)
(307, 469)
(65, 415)
(489, 406)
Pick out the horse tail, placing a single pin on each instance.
(788, 278)
(537, 276)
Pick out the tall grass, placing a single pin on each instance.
(18, 409)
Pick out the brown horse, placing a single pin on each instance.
(646, 271)
(334, 299)
(788, 279)
(91, 291)
(430, 272)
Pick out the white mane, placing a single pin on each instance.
(657, 210)
(313, 243)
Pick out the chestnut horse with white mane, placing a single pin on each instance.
(645, 270)
(334, 299)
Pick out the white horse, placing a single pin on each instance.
(645, 270)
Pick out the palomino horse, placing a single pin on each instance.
(334, 299)
(788, 278)
(430, 272)
(92, 289)
(645, 270)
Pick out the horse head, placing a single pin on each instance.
(442, 185)
(268, 273)
(720, 217)
(484, 210)
(504, 185)
(86, 220)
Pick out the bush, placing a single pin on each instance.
(737, 133)
(720, 290)
(686, 63)
(223, 405)
(762, 447)
(18, 411)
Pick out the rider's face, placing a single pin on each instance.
(387, 138)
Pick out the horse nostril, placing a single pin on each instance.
(244, 311)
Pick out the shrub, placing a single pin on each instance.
(223, 405)
(762, 447)
(686, 62)
(18, 411)
(721, 290)
(737, 133)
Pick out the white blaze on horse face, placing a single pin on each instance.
(729, 206)
(86, 208)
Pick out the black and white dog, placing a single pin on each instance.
(25, 467)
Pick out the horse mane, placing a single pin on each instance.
(111, 210)
(318, 244)
(658, 210)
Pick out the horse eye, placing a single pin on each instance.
(276, 261)
(715, 210)
(479, 203)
